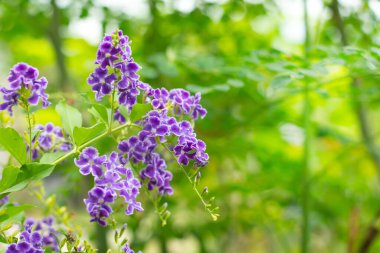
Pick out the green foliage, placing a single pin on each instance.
(12, 142)
(83, 134)
(16, 179)
(138, 111)
(70, 117)
(101, 113)
(10, 211)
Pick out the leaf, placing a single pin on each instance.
(83, 134)
(26, 174)
(70, 117)
(11, 141)
(196, 88)
(138, 111)
(100, 112)
(9, 177)
(124, 111)
(48, 158)
(235, 83)
(10, 211)
(280, 81)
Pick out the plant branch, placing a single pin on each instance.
(79, 148)
(29, 119)
(206, 205)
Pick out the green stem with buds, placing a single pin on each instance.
(29, 119)
(207, 206)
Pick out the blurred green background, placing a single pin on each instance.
(292, 92)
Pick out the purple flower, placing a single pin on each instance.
(116, 180)
(154, 126)
(160, 98)
(127, 249)
(49, 139)
(190, 148)
(157, 174)
(184, 103)
(114, 53)
(101, 82)
(135, 149)
(90, 162)
(4, 200)
(98, 204)
(35, 238)
(24, 87)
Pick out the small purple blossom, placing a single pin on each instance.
(127, 249)
(189, 148)
(90, 162)
(24, 87)
(98, 204)
(101, 82)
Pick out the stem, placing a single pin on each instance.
(305, 196)
(55, 37)
(79, 148)
(206, 205)
(112, 107)
(29, 119)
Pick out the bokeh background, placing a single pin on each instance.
(292, 92)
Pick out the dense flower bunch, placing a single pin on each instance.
(49, 139)
(24, 87)
(112, 179)
(164, 126)
(116, 70)
(36, 237)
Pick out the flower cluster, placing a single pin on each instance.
(169, 123)
(177, 101)
(24, 87)
(116, 70)
(112, 179)
(127, 249)
(36, 237)
(49, 139)
(4, 200)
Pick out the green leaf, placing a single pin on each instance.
(8, 177)
(124, 111)
(196, 88)
(83, 134)
(11, 141)
(48, 158)
(235, 83)
(280, 81)
(100, 112)
(17, 180)
(70, 117)
(10, 211)
(138, 111)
